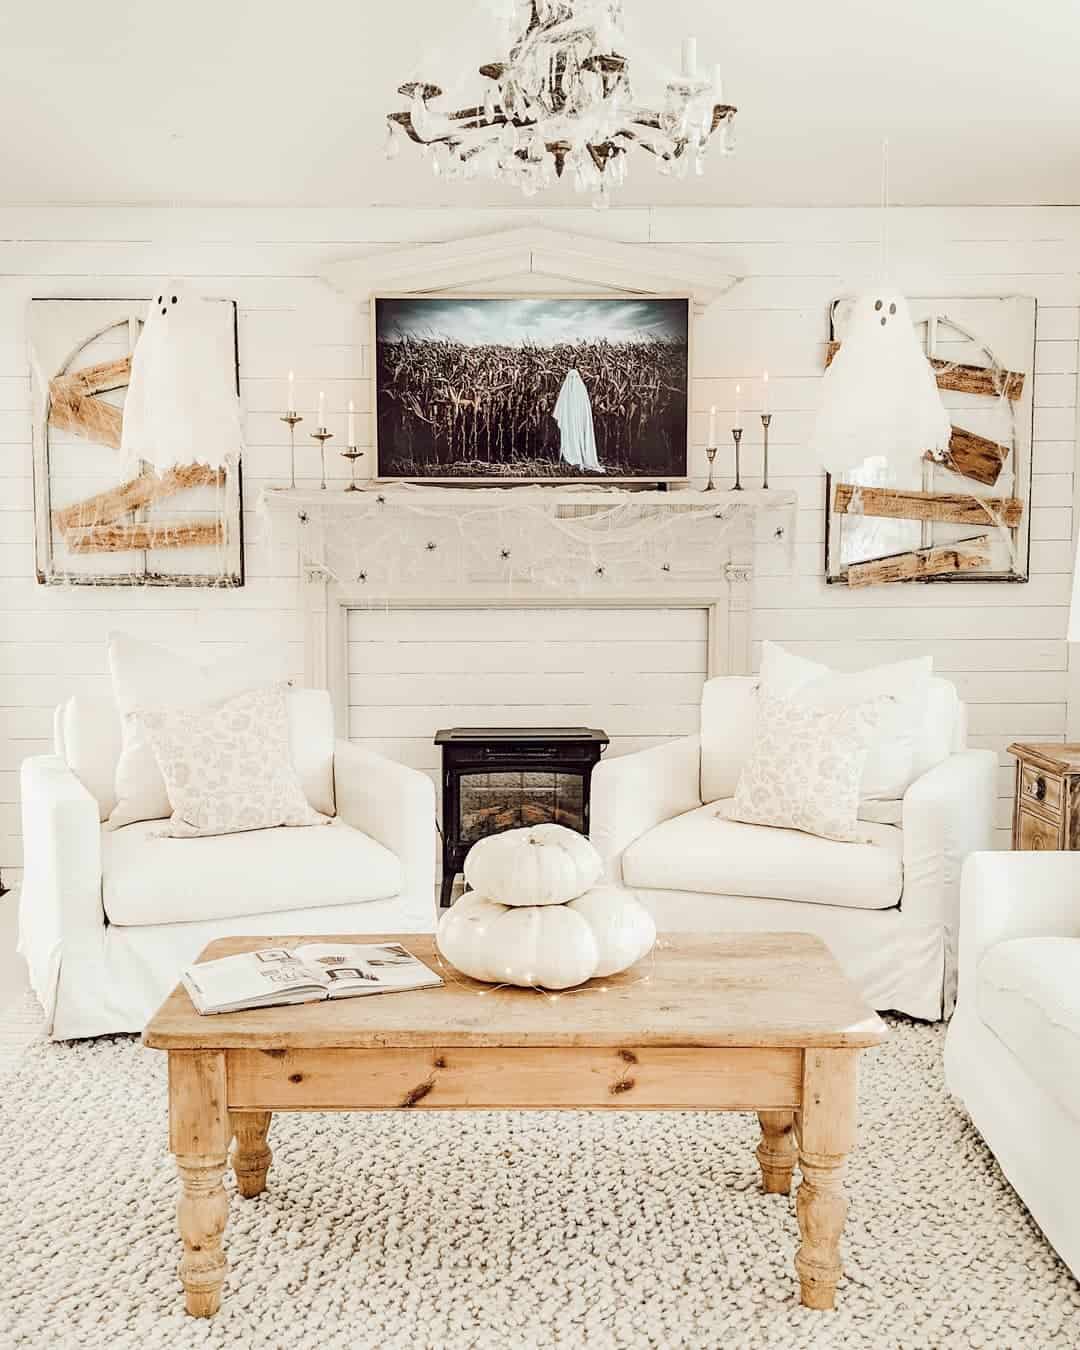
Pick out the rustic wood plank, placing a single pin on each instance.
(91, 418)
(149, 534)
(781, 990)
(964, 379)
(566, 1077)
(135, 493)
(972, 456)
(97, 379)
(956, 508)
(965, 555)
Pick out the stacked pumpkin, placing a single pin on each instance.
(536, 917)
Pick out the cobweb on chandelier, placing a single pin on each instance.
(562, 102)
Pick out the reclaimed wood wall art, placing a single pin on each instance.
(966, 514)
(95, 524)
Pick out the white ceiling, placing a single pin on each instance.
(265, 102)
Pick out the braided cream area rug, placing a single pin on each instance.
(457, 1230)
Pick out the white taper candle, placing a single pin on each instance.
(291, 408)
(322, 410)
(712, 425)
(765, 391)
(351, 429)
(689, 58)
(738, 411)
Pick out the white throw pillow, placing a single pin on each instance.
(227, 767)
(805, 766)
(146, 675)
(893, 762)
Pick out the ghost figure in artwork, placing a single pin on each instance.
(879, 396)
(181, 405)
(573, 413)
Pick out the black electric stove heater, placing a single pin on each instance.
(505, 778)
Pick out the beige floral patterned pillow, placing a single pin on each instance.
(227, 767)
(806, 765)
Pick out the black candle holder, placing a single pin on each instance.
(766, 418)
(736, 436)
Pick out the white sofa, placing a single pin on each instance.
(1012, 1053)
(887, 908)
(108, 918)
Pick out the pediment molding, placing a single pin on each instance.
(555, 255)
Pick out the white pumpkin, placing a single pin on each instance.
(546, 946)
(541, 865)
(624, 929)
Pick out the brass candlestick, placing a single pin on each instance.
(710, 455)
(322, 436)
(736, 436)
(291, 419)
(352, 455)
(766, 418)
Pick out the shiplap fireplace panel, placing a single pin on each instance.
(635, 669)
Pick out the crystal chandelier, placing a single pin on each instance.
(562, 102)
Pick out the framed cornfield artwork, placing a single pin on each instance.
(965, 514)
(485, 387)
(97, 524)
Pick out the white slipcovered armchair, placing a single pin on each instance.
(1012, 1053)
(108, 918)
(887, 907)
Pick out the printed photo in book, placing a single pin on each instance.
(313, 971)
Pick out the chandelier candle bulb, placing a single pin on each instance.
(689, 58)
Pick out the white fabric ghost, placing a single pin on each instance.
(181, 405)
(879, 397)
(573, 412)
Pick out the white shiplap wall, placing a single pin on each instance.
(1004, 645)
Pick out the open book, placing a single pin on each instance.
(304, 974)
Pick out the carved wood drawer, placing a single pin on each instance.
(1046, 809)
(1040, 787)
(1034, 833)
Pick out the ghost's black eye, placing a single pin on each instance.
(174, 301)
(884, 321)
(877, 304)
(164, 310)
(892, 309)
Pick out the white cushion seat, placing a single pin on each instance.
(1027, 991)
(701, 851)
(147, 879)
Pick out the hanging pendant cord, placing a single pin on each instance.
(883, 241)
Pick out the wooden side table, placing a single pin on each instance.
(1046, 809)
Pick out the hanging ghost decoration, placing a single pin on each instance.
(573, 412)
(879, 397)
(181, 405)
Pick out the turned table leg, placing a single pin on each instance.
(826, 1127)
(199, 1138)
(252, 1156)
(776, 1153)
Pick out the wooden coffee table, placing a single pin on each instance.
(732, 1022)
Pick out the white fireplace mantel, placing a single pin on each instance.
(411, 547)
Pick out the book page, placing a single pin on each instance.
(367, 968)
(253, 975)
